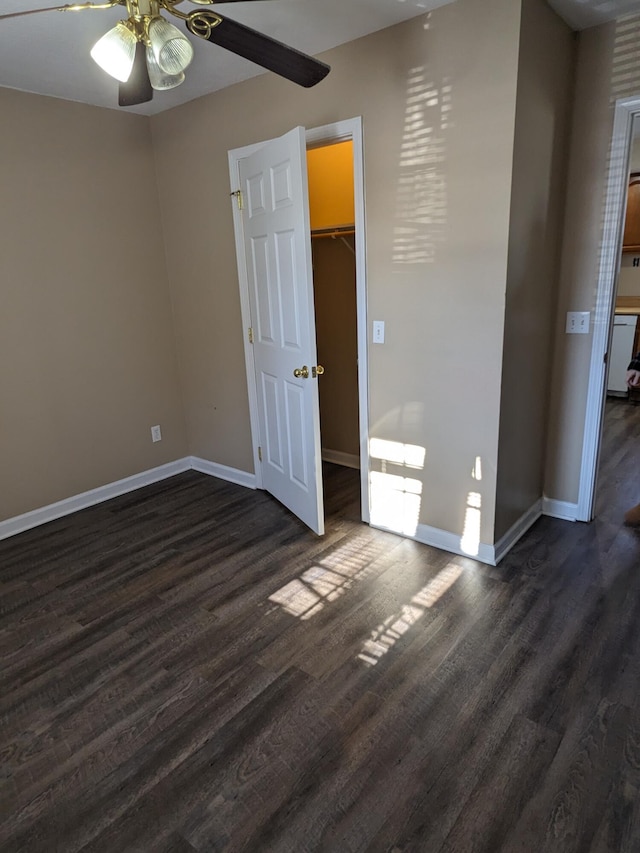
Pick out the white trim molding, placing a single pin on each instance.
(450, 542)
(36, 517)
(612, 231)
(564, 510)
(426, 535)
(517, 531)
(445, 541)
(338, 457)
(335, 132)
(488, 554)
(20, 523)
(223, 472)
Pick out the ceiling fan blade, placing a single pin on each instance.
(265, 51)
(137, 89)
(77, 7)
(69, 7)
(30, 12)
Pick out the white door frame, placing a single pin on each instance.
(615, 203)
(349, 129)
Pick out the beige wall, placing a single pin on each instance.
(545, 88)
(437, 96)
(438, 101)
(87, 356)
(608, 68)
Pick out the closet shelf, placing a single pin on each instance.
(336, 231)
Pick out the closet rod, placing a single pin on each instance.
(339, 231)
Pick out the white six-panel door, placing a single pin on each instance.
(277, 247)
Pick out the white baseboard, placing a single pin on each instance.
(27, 520)
(20, 523)
(223, 472)
(348, 460)
(560, 509)
(489, 554)
(442, 539)
(517, 531)
(445, 541)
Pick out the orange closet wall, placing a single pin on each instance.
(331, 185)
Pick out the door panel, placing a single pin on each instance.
(278, 260)
(273, 430)
(288, 296)
(298, 448)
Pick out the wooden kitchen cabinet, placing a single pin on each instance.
(631, 238)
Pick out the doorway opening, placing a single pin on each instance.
(603, 436)
(332, 216)
(620, 455)
(344, 350)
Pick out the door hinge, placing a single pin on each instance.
(238, 195)
(260, 454)
(250, 335)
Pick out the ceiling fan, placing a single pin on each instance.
(145, 52)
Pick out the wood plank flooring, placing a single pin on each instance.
(187, 669)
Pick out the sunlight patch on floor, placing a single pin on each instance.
(385, 636)
(329, 579)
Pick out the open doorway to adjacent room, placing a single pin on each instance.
(617, 481)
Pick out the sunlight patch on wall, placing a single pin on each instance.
(470, 541)
(421, 197)
(385, 636)
(410, 455)
(395, 500)
(625, 72)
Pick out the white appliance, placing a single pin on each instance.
(621, 353)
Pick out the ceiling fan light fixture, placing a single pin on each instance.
(172, 50)
(115, 52)
(160, 80)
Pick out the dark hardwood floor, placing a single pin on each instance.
(186, 668)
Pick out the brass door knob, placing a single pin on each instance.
(318, 370)
(301, 372)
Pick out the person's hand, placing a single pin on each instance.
(633, 378)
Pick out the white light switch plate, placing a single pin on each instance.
(378, 331)
(578, 322)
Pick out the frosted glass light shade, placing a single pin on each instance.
(115, 52)
(172, 51)
(160, 79)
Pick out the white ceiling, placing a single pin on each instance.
(580, 14)
(49, 53)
